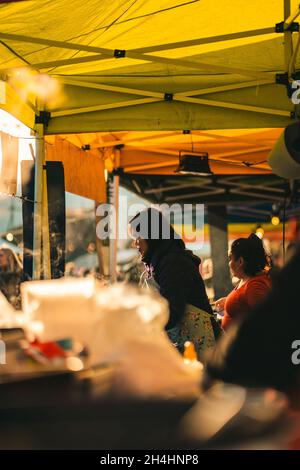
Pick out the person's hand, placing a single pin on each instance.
(220, 304)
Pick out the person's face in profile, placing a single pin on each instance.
(3, 260)
(141, 245)
(236, 266)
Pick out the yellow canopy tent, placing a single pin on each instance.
(159, 65)
(164, 65)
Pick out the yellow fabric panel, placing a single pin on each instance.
(130, 25)
(84, 170)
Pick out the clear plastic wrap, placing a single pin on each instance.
(119, 324)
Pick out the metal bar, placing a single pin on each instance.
(53, 43)
(46, 259)
(150, 166)
(183, 62)
(75, 60)
(249, 210)
(137, 186)
(38, 196)
(241, 107)
(241, 139)
(102, 107)
(287, 36)
(116, 89)
(169, 188)
(207, 40)
(176, 45)
(136, 54)
(153, 136)
(240, 152)
(216, 157)
(191, 195)
(264, 197)
(291, 18)
(202, 66)
(113, 242)
(252, 186)
(218, 89)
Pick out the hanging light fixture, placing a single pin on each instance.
(194, 164)
(275, 214)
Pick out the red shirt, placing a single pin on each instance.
(240, 301)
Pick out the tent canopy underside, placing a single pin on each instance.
(166, 65)
(159, 65)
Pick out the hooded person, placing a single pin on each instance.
(176, 272)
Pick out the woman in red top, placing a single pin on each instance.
(248, 262)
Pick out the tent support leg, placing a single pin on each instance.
(288, 36)
(99, 244)
(218, 234)
(41, 246)
(113, 242)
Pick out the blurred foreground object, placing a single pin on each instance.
(232, 417)
(120, 325)
(258, 352)
(284, 158)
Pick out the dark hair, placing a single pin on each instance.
(151, 225)
(252, 251)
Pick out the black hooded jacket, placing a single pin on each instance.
(176, 271)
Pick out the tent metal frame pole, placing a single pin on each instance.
(259, 195)
(241, 107)
(38, 196)
(208, 40)
(135, 55)
(150, 166)
(291, 18)
(164, 60)
(173, 153)
(113, 143)
(46, 257)
(134, 91)
(53, 43)
(217, 137)
(287, 35)
(103, 107)
(202, 66)
(113, 242)
(215, 158)
(198, 194)
(238, 138)
(169, 188)
(154, 166)
(218, 89)
(116, 89)
(101, 50)
(41, 252)
(63, 62)
(180, 98)
(242, 185)
(41, 242)
(242, 152)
